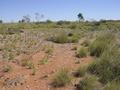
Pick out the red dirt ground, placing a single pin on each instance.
(63, 57)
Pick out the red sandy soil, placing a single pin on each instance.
(63, 57)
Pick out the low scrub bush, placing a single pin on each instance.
(107, 66)
(114, 85)
(81, 53)
(27, 62)
(80, 72)
(64, 38)
(85, 43)
(61, 38)
(73, 39)
(101, 43)
(87, 83)
(62, 78)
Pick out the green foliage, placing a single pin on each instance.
(81, 53)
(73, 39)
(87, 83)
(101, 43)
(107, 66)
(62, 78)
(80, 17)
(61, 38)
(114, 85)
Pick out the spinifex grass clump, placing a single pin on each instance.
(114, 85)
(81, 52)
(61, 38)
(89, 82)
(101, 43)
(62, 78)
(107, 67)
(64, 38)
(81, 71)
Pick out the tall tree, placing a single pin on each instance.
(80, 17)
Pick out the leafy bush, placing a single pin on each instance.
(87, 83)
(62, 78)
(81, 53)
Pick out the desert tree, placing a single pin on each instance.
(80, 17)
(1, 21)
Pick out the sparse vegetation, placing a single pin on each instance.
(114, 85)
(107, 66)
(6, 68)
(88, 83)
(44, 60)
(81, 53)
(81, 71)
(62, 78)
(101, 44)
(97, 40)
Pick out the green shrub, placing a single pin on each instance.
(61, 38)
(87, 83)
(100, 44)
(62, 78)
(81, 53)
(64, 38)
(114, 85)
(93, 67)
(107, 66)
(73, 39)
